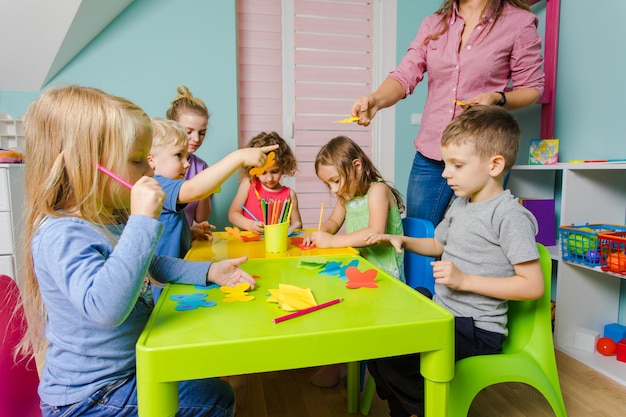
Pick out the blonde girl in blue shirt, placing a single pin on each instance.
(89, 250)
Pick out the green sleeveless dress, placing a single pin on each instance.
(384, 257)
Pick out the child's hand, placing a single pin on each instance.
(147, 197)
(202, 231)
(255, 157)
(385, 239)
(446, 273)
(256, 227)
(227, 272)
(319, 239)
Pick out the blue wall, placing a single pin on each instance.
(147, 52)
(155, 45)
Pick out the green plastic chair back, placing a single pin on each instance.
(527, 356)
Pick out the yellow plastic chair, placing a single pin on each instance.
(527, 356)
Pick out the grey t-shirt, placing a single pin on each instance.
(485, 239)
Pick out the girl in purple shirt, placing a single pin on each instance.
(192, 114)
(471, 50)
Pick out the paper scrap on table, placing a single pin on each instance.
(291, 297)
(234, 232)
(237, 293)
(312, 262)
(187, 302)
(358, 279)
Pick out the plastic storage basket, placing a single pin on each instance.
(580, 243)
(613, 252)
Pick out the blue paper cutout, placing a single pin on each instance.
(187, 302)
(336, 268)
(206, 287)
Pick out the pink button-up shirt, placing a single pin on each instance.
(492, 57)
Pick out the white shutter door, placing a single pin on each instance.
(259, 49)
(332, 45)
(327, 63)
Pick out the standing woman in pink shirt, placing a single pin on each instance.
(471, 50)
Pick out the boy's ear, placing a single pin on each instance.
(496, 165)
(150, 161)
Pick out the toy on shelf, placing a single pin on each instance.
(612, 247)
(580, 243)
(606, 346)
(543, 152)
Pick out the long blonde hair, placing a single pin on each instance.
(68, 132)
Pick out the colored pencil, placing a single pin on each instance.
(250, 213)
(115, 177)
(307, 310)
(319, 224)
(289, 212)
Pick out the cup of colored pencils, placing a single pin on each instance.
(276, 214)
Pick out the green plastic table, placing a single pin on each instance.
(234, 338)
(226, 246)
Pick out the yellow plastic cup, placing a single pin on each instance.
(276, 237)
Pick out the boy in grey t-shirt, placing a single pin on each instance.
(486, 245)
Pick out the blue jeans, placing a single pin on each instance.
(428, 194)
(203, 397)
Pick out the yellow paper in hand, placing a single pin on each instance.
(291, 297)
(348, 120)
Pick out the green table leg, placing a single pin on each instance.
(157, 399)
(353, 378)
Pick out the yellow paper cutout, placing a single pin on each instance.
(237, 293)
(291, 297)
(258, 171)
(234, 231)
(348, 120)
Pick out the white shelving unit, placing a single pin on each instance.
(11, 133)
(585, 297)
(11, 221)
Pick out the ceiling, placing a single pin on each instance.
(39, 37)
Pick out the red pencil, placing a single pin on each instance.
(307, 310)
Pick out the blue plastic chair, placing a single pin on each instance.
(418, 273)
(417, 269)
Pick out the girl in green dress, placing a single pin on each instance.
(366, 204)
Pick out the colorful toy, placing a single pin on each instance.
(615, 331)
(593, 257)
(581, 244)
(606, 346)
(616, 262)
(621, 350)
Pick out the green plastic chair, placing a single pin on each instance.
(527, 356)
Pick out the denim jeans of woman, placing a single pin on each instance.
(428, 193)
(204, 397)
